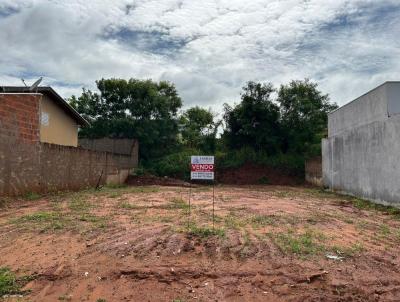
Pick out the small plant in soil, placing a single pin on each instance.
(262, 220)
(232, 221)
(177, 203)
(350, 251)
(79, 204)
(43, 221)
(205, 232)
(10, 284)
(306, 243)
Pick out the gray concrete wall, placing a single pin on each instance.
(370, 107)
(361, 154)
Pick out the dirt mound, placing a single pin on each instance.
(155, 242)
(258, 174)
(145, 180)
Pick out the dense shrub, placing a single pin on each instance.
(178, 164)
(173, 165)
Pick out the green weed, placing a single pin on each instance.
(177, 203)
(42, 220)
(204, 232)
(306, 243)
(127, 206)
(354, 249)
(79, 204)
(115, 195)
(32, 196)
(262, 220)
(10, 284)
(232, 221)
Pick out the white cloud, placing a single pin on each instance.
(214, 47)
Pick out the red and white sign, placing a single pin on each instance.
(202, 167)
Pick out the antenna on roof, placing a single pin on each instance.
(23, 81)
(35, 85)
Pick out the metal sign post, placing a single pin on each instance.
(202, 168)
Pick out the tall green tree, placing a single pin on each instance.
(141, 109)
(304, 115)
(198, 129)
(255, 121)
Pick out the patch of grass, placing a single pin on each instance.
(262, 220)
(350, 251)
(79, 204)
(178, 203)
(282, 194)
(320, 193)
(202, 189)
(305, 243)
(363, 225)
(101, 300)
(384, 230)
(142, 190)
(397, 235)
(204, 232)
(32, 196)
(290, 219)
(127, 206)
(42, 220)
(4, 202)
(115, 195)
(232, 221)
(10, 284)
(246, 247)
(96, 222)
(348, 220)
(363, 204)
(115, 186)
(318, 217)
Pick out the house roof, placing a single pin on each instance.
(53, 95)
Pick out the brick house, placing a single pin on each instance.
(43, 116)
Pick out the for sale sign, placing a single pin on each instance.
(202, 167)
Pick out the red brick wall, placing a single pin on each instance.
(26, 165)
(19, 117)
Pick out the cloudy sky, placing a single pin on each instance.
(209, 49)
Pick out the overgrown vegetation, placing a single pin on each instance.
(273, 131)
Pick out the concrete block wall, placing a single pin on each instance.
(360, 155)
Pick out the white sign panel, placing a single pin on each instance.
(202, 167)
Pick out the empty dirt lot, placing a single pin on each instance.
(136, 244)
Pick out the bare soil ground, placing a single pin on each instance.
(270, 243)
